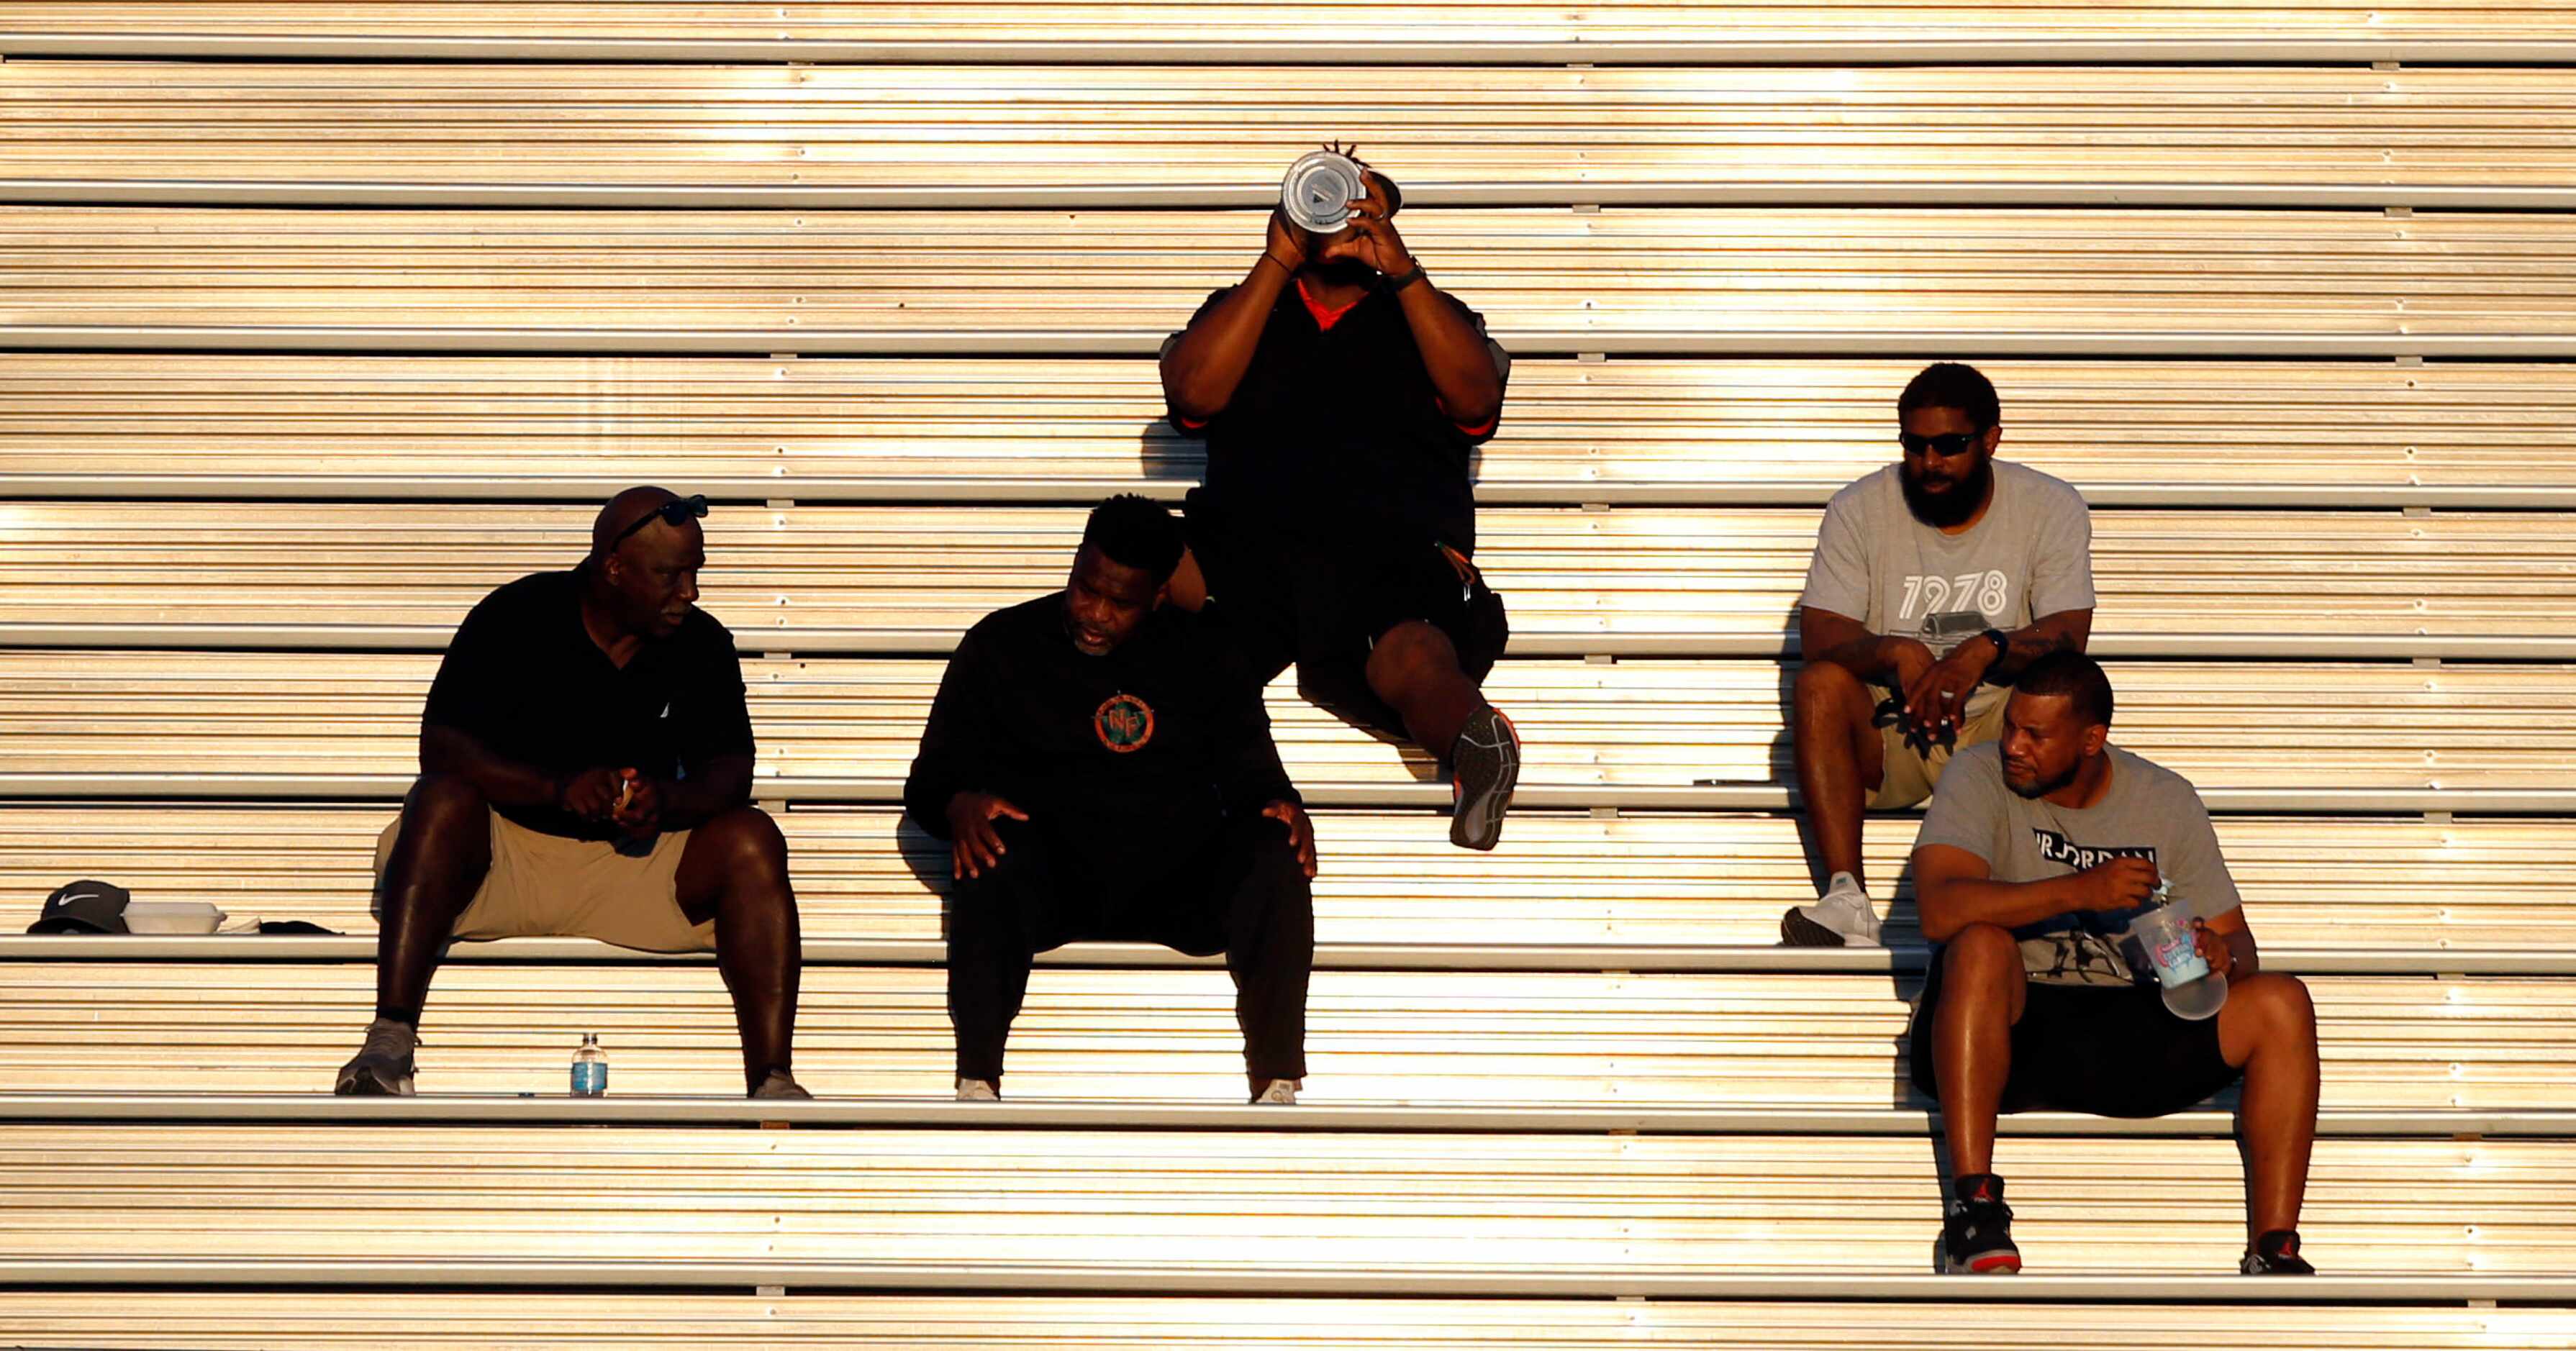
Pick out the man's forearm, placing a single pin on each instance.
(1871, 656)
(1257, 781)
(2028, 644)
(2246, 961)
(1203, 369)
(502, 782)
(701, 797)
(1946, 907)
(1460, 363)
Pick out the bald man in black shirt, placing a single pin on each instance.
(1341, 395)
(586, 762)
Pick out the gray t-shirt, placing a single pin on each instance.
(2030, 555)
(2148, 812)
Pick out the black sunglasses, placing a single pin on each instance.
(1947, 445)
(678, 511)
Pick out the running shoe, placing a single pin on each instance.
(382, 1067)
(1484, 765)
(1843, 917)
(781, 1084)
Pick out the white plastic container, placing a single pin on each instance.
(2192, 991)
(1319, 189)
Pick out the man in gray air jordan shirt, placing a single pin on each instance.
(2039, 853)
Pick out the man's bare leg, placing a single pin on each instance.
(1983, 993)
(1415, 669)
(440, 856)
(2269, 1028)
(1188, 586)
(1840, 761)
(734, 869)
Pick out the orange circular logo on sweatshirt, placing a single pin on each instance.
(1123, 723)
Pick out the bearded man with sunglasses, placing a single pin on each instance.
(1935, 581)
(586, 762)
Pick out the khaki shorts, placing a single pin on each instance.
(1912, 771)
(545, 886)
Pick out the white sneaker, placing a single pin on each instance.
(977, 1090)
(1841, 918)
(1278, 1093)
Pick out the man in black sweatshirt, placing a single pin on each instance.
(1101, 765)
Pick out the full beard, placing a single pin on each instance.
(1945, 509)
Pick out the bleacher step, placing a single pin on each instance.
(937, 1112)
(1214, 1278)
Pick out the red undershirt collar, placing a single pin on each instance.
(1325, 317)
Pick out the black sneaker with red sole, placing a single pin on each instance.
(1976, 1233)
(2275, 1253)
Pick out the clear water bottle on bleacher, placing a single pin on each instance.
(589, 1068)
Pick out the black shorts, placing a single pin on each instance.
(2109, 1051)
(1322, 599)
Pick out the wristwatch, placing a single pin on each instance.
(2003, 645)
(1395, 284)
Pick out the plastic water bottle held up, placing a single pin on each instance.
(589, 1068)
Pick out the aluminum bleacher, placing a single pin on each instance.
(1597, 581)
(1836, 32)
(2335, 892)
(1124, 136)
(1624, 281)
(317, 320)
(1669, 431)
(553, 1320)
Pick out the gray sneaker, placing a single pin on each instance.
(781, 1084)
(1484, 767)
(382, 1067)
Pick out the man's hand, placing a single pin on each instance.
(2213, 949)
(1937, 701)
(2119, 884)
(1908, 661)
(591, 794)
(974, 844)
(638, 809)
(1370, 237)
(1301, 832)
(1287, 243)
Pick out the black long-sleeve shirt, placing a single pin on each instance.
(1128, 760)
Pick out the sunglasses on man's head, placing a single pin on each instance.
(678, 511)
(1946, 445)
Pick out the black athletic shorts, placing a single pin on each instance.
(1323, 598)
(2106, 1050)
